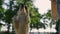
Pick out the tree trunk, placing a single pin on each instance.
(54, 9)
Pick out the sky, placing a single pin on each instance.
(42, 5)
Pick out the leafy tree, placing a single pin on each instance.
(12, 9)
(49, 17)
(1, 12)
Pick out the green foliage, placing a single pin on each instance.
(1, 1)
(35, 17)
(52, 23)
(8, 16)
(23, 1)
(1, 12)
(48, 15)
(1, 9)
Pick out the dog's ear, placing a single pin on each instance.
(26, 8)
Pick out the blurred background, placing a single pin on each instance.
(39, 11)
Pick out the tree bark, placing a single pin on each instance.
(54, 9)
